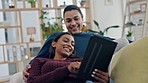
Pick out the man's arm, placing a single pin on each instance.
(100, 76)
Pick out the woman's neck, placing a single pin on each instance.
(58, 57)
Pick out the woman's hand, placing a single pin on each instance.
(25, 72)
(73, 67)
(100, 76)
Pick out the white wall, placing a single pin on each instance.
(108, 15)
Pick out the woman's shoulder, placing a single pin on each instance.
(40, 59)
(74, 58)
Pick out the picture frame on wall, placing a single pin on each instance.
(143, 7)
(108, 2)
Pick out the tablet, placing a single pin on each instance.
(97, 56)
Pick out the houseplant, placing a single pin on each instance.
(32, 2)
(48, 27)
(130, 36)
(101, 32)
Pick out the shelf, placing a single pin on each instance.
(136, 1)
(7, 62)
(136, 12)
(19, 9)
(20, 43)
(59, 8)
(134, 26)
(9, 27)
(31, 9)
(130, 14)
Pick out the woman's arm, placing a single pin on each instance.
(51, 77)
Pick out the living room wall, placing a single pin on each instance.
(108, 15)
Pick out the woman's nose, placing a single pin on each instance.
(69, 44)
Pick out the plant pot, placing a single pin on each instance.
(33, 5)
(131, 38)
(82, 3)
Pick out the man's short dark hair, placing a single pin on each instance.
(72, 7)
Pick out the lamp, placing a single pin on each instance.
(31, 31)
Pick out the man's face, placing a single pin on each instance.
(73, 21)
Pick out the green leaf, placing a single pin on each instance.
(106, 30)
(31, 1)
(97, 24)
(129, 34)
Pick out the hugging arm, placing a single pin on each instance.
(100, 76)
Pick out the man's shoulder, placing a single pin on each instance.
(51, 36)
(89, 34)
(84, 34)
(56, 33)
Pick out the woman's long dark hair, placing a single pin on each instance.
(52, 49)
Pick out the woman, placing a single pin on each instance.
(61, 67)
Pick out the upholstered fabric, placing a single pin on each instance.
(17, 78)
(5, 79)
(130, 64)
(121, 43)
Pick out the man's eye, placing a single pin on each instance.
(76, 19)
(68, 20)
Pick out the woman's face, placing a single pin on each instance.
(73, 21)
(64, 46)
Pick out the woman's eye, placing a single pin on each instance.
(72, 44)
(65, 40)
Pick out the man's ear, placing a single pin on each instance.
(53, 44)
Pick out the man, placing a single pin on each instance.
(73, 19)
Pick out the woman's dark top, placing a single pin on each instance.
(45, 70)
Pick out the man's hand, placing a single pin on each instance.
(25, 72)
(100, 76)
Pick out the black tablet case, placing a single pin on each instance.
(97, 56)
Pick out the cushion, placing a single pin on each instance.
(4, 79)
(130, 64)
(121, 43)
(17, 78)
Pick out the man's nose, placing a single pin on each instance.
(73, 22)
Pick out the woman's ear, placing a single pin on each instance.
(53, 44)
